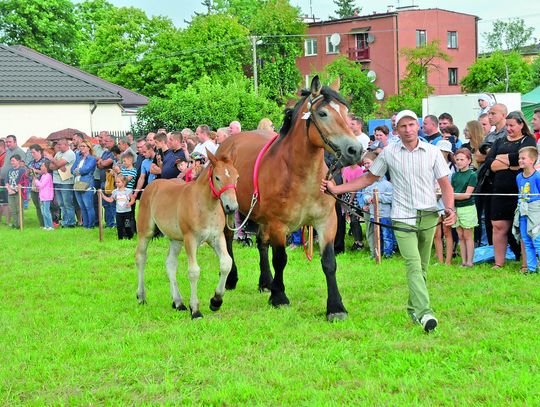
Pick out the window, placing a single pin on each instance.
(311, 46)
(362, 40)
(452, 76)
(452, 39)
(421, 38)
(331, 49)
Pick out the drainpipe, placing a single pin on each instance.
(397, 53)
(93, 108)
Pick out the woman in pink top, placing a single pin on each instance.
(349, 173)
(46, 194)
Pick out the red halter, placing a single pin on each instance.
(217, 194)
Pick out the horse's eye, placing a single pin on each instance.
(217, 178)
(322, 113)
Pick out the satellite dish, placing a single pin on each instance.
(379, 95)
(372, 76)
(335, 39)
(370, 38)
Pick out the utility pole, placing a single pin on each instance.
(254, 49)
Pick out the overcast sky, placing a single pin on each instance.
(488, 11)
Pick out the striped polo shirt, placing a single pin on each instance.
(413, 174)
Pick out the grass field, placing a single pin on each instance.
(71, 331)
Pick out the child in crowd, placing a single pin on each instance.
(186, 173)
(350, 173)
(198, 165)
(385, 208)
(46, 194)
(464, 182)
(446, 149)
(127, 169)
(529, 206)
(451, 133)
(124, 200)
(16, 180)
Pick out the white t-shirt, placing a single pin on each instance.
(364, 139)
(69, 156)
(202, 147)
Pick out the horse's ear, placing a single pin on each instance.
(315, 86)
(211, 157)
(336, 83)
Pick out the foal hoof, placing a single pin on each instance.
(279, 300)
(196, 315)
(337, 316)
(215, 304)
(142, 301)
(181, 307)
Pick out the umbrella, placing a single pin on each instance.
(35, 140)
(64, 134)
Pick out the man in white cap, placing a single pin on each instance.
(413, 165)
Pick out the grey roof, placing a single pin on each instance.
(129, 98)
(26, 79)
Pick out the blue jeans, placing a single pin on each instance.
(387, 237)
(45, 207)
(63, 194)
(110, 210)
(86, 203)
(297, 237)
(532, 246)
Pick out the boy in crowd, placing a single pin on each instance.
(16, 179)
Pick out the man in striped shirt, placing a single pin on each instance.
(413, 165)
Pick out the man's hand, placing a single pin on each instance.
(449, 217)
(327, 185)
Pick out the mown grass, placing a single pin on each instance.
(71, 331)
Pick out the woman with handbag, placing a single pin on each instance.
(83, 170)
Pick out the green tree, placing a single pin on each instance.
(355, 85)
(209, 100)
(48, 26)
(212, 45)
(510, 35)
(119, 50)
(243, 10)
(415, 85)
(279, 31)
(346, 8)
(500, 72)
(535, 68)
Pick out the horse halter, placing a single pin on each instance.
(311, 119)
(215, 193)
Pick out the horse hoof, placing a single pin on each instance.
(264, 289)
(196, 315)
(215, 305)
(279, 300)
(337, 316)
(181, 307)
(142, 301)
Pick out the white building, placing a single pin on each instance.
(40, 95)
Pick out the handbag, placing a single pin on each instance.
(80, 186)
(109, 182)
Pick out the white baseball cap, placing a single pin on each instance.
(444, 145)
(406, 113)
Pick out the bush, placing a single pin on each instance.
(211, 101)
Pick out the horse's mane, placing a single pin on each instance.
(291, 114)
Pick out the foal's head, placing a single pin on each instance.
(223, 178)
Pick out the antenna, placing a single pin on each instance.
(311, 10)
(372, 76)
(379, 95)
(335, 39)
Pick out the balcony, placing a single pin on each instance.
(359, 54)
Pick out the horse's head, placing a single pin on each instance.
(223, 177)
(325, 112)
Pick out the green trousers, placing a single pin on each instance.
(415, 247)
(13, 202)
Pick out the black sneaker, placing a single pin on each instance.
(429, 322)
(357, 246)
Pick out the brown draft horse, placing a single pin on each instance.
(191, 214)
(289, 177)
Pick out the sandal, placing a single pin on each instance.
(524, 270)
(496, 267)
